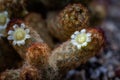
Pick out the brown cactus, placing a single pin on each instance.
(37, 55)
(31, 40)
(63, 24)
(68, 56)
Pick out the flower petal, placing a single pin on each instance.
(84, 44)
(73, 36)
(88, 39)
(27, 31)
(10, 37)
(72, 41)
(27, 36)
(83, 31)
(18, 44)
(89, 34)
(22, 42)
(79, 46)
(15, 26)
(22, 25)
(14, 43)
(75, 43)
(76, 32)
(10, 32)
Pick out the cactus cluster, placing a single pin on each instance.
(48, 48)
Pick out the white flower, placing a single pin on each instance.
(19, 35)
(3, 22)
(81, 38)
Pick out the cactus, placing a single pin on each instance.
(68, 55)
(41, 60)
(74, 17)
(65, 57)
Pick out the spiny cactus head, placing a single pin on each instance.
(74, 15)
(37, 54)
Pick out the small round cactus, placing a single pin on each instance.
(74, 17)
(37, 55)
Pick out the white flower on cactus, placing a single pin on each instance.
(19, 34)
(3, 22)
(80, 39)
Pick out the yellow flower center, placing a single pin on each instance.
(3, 19)
(19, 34)
(81, 38)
